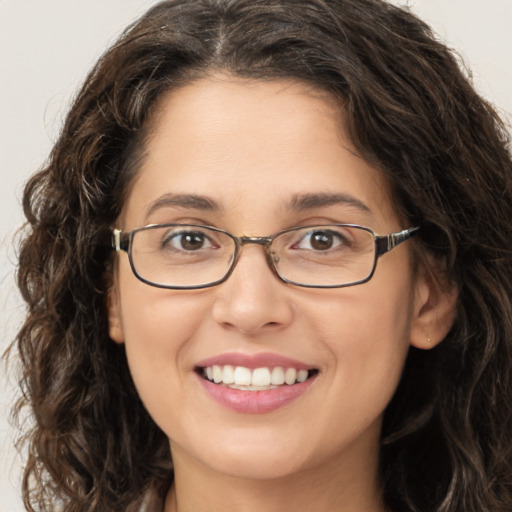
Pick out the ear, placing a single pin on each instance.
(115, 323)
(434, 309)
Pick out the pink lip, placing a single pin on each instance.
(255, 402)
(253, 361)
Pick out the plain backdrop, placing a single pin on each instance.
(46, 48)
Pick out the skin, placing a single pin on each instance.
(251, 147)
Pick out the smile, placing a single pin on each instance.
(257, 379)
(255, 389)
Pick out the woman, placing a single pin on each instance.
(267, 267)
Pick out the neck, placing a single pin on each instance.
(344, 488)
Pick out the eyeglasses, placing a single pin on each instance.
(189, 256)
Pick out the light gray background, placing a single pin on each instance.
(46, 48)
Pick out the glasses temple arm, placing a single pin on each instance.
(386, 243)
(118, 242)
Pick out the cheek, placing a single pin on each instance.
(380, 339)
(158, 328)
(367, 338)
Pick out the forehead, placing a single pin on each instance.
(248, 144)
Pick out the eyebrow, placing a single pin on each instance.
(189, 201)
(298, 203)
(310, 201)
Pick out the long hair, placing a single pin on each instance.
(410, 110)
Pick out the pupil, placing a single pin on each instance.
(192, 241)
(321, 241)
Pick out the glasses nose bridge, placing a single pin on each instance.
(263, 241)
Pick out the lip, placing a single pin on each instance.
(254, 402)
(252, 361)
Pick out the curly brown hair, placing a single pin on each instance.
(447, 434)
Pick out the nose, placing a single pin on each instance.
(253, 299)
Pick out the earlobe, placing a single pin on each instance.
(434, 311)
(115, 324)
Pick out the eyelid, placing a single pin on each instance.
(174, 233)
(341, 240)
(327, 221)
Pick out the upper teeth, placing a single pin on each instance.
(259, 377)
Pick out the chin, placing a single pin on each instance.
(260, 467)
(261, 459)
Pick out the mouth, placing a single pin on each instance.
(255, 379)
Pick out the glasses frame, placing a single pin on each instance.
(122, 241)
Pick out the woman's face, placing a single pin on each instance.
(263, 157)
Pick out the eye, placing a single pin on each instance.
(321, 240)
(188, 241)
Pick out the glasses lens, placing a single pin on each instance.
(181, 256)
(330, 255)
